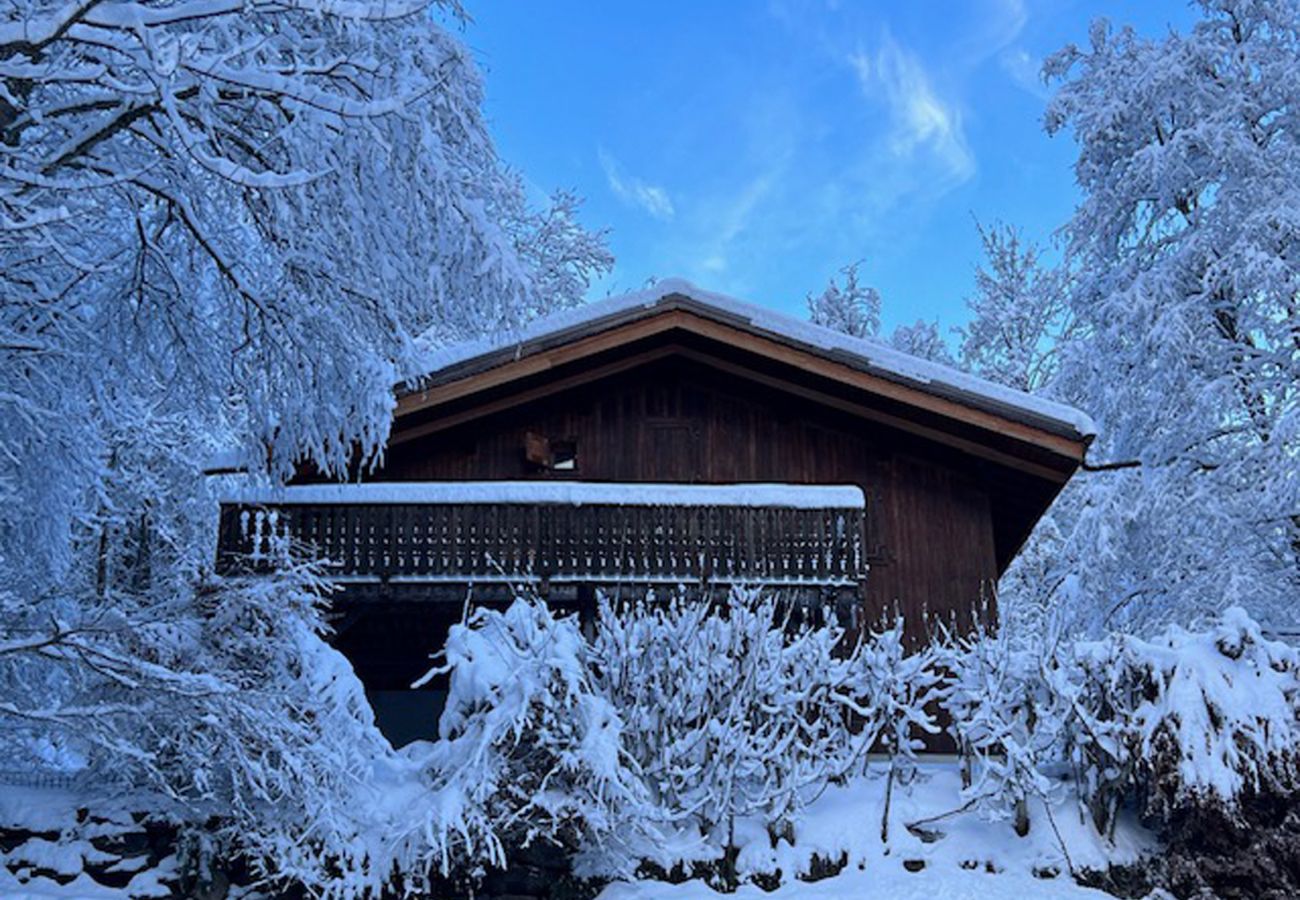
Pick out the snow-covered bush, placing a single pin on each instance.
(1191, 723)
(717, 702)
(1005, 715)
(529, 747)
(735, 710)
(1186, 722)
(898, 686)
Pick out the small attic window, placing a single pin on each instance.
(564, 456)
(543, 454)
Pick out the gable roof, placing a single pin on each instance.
(462, 361)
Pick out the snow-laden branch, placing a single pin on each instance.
(224, 224)
(28, 35)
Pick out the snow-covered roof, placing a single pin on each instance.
(447, 363)
(559, 493)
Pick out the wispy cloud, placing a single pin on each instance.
(1025, 70)
(995, 25)
(920, 119)
(632, 190)
(729, 221)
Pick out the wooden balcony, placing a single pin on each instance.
(560, 532)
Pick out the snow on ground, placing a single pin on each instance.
(964, 855)
(83, 887)
(50, 864)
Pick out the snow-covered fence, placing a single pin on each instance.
(776, 534)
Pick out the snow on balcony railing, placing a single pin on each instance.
(562, 531)
(571, 493)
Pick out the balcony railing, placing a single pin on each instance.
(561, 531)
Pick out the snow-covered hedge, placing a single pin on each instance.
(1190, 722)
(680, 731)
(650, 740)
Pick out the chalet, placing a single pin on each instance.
(664, 438)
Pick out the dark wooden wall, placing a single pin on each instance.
(930, 532)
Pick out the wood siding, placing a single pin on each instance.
(930, 531)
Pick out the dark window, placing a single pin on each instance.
(564, 456)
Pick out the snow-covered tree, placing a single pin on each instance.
(1019, 313)
(924, 340)
(221, 224)
(850, 306)
(854, 308)
(1020, 321)
(1186, 247)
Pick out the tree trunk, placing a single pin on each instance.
(889, 794)
(1022, 817)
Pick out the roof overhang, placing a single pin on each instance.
(929, 400)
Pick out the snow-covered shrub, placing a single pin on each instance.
(1005, 715)
(529, 748)
(719, 705)
(897, 687)
(1188, 721)
(734, 710)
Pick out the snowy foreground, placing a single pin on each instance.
(964, 855)
(53, 863)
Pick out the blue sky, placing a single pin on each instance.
(755, 148)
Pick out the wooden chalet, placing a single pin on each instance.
(671, 437)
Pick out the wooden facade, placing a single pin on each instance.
(929, 533)
(679, 390)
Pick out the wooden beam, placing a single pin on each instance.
(538, 362)
(974, 448)
(402, 436)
